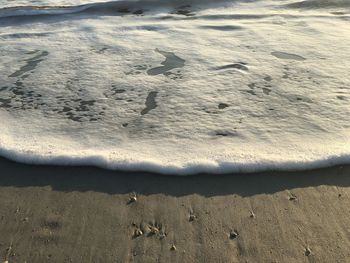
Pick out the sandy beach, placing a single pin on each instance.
(197, 94)
(85, 214)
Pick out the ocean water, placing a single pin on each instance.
(174, 86)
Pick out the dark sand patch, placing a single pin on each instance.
(101, 50)
(222, 28)
(138, 12)
(252, 85)
(32, 63)
(224, 133)
(79, 110)
(222, 106)
(251, 92)
(268, 78)
(289, 56)
(338, 13)
(184, 10)
(24, 35)
(5, 103)
(341, 97)
(314, 4)
(150, 102)
(239, 66)
(124, 10)
(266, 91)
(3, 88)
(171, 62)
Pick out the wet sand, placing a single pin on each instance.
(84, 214)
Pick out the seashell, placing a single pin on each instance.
(138, 232)
(132, 199)
(153, 230)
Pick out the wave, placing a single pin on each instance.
(107, 8)
(317, 4)
(138, 7)
(129, 94)
(192, 167)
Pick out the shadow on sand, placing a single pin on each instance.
(84, 179)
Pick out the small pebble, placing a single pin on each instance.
(233, 234)
(173, 248)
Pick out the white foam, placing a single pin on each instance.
(180, 158)
(235, 87)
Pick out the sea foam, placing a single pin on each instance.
(176, 87)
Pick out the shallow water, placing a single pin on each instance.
(176, 86)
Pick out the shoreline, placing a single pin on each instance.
(84, 214)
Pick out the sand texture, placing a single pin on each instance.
(66, 214)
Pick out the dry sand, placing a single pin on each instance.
(84, 214)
